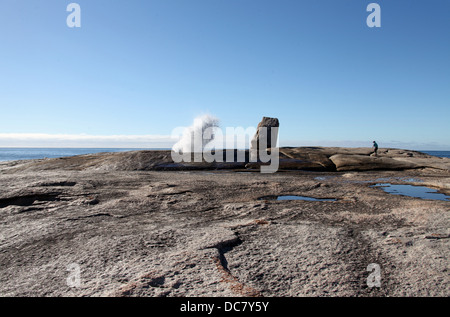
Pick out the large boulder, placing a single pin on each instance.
(345, 162)
(293, 164)
(308, 158)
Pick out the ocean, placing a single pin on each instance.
(438, 153)
(14, 154)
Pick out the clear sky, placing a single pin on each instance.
(138, 69)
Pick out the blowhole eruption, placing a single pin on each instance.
(198, 135)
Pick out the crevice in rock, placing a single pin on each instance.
(101, 214)
(222, 266)
(224, 249)
(57, 184)
(146, 281)
(28, 200)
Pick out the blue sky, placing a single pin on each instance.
(143, 68)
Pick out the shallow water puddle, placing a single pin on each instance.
(294, 197)
(403, 179)
(412, 191)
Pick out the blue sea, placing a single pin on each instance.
(438, 153)
(13, 154)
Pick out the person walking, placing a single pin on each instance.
(375, 148)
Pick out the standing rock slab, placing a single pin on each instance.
(261, 133)
(265, 137)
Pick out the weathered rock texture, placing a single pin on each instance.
(302, 158)
(137, 230)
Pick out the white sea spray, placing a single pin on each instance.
(198, 135)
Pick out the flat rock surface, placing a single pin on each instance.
(135, 231)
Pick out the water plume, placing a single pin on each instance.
(198, 135)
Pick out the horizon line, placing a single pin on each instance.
(170, 148)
